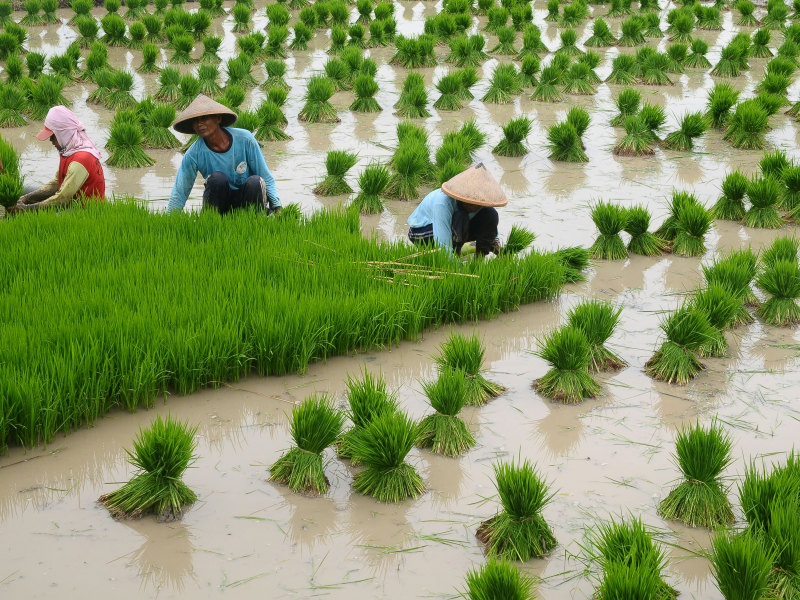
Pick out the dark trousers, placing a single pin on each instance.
(482, 230)
(219, 195)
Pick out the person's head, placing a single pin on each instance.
(60, 127)
(475, 188)
(470, 208)
(206, 125)
(204, 117)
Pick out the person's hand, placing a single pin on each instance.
(23, 199)
(16, 209)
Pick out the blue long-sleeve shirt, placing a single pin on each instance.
(437, 209)
(243, 159)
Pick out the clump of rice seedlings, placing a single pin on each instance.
(120, 96)
(652, 25)
(498, 17)
(730, 206)
(155, 128)
(569, 39)
(601, 37)
(506, 38)
(653, 68)
(619, 8)
(80, 8)
(355, 36)
(637, 140)
(770, 103)
(11, 184)
(623, 70)
(373, 181)
(188, 88)
(781, 280)
(746, 18)
(531, 42)
(233, 97)
(104, 78)
(773, 163)
(790, 194)
(338, 40)
(729, 62)
(271, 123)
(467, 51)
(498, 580)
(570, 355)
(545, 90)
(518, 240)
(32, 16)
(642, 241)
(368, 399)
(774, 85)
(207, 75)
(211, 46)
(338, 72)
(413, 100)
(5, 13)
(169, 85)
(466, 354)
(577, 80)
(239, 70)
(337, 163)
(528, 70)
(627, 103)
(693, 125)
(12, 100)
(150, 54)
(579, 119)
(278, 15)
(721, 99)
(382, 446)
(318, 108)
(565, 143)
(760, 47)
(413, 53)
(552, 10)
(449, 87)
(315, 424)
(746, 126)
(49, 8)
(125, 140)
(241, 18)
(136, 10)
(721, 307)
(302, 35)
(443, 432)
(697, 58)
(44, 94)
(503, 85)
(687, 330)
(574, 260)
(669, 228)
(62, 66)
(513, 142)
(734, 273)
(160, 454)
(154, 25)
(35, 62)
(708, 17)
(137, 32)
(682, 26)
(741, 564)
(597, 320)
(764, 195)
(410, 162)
(700, 500)
(519, 532)
(676, 53)
(14, 70)
(610, 219)
(88, 29)
(632, 34)
(776, 15)
(276, 38)
(365, 88)
(276, 70)
(114, 30)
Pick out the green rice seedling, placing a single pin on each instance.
(410, 161)
(545, 90)
(734, 273)
(373, 181)
(302, 35)
(62, 66)
(652, 26)
(467, 51)
(104, 78)
(49, 8)
(35, 62)
(12, 100)
(155, 128)
(413, 100)
(315, 424)
(338, 40)
(160, 7)
(729, 62)
(746, 18)
(278, 96)
(10, 181)
(365, 88)
(469, 77)
(569, 39)
(552, 11)
(610, 219)
(337, 163)
(449, 87)
(531, 42)
(632, 32)
(276, 70)
(627, 103)
(443, 432)
(760, 47)
(789, 50)
(503, 85)
(622, 580)
(730, 206)
(278, 15)
(498, 580)
(769, 103)
(150, 54)
(700, 499)
(773, 163)
(466, 354)
(5, 13)
(721, 99)
(774, 85)
(239, 71)
(519, 532)
(513, 142)
(653, 69)
(450, 169)
(761, 492)
(619, 8)
(339, 13)
(572, 15)
(518, 240)
(188, 88)
(44, 94)
(169, 85)
(252, 45)
(161, 454)
(318, 108)
(153, 25)
(687, 330)
(271, 123)
(497, 18)
(276, 40)
(669, 228)
(528, 70)
(709, 18)
(577, 80)
(642, 241)
(356, 36)
(378, 36)
(592, 60)
(693, 125)
(211, 46)
(233, 97)
(741, 564)
(573, 260)
(790, 193)
(136, 10)
(32, 16)
(776, 15)
(120, 96)
(597, 320)
(721, 307)
(114, 30)
(382, 446)
(781, 280)
(506, 38)
(368, 398)
(88, 29)
(80, 8)
(565, 143)
(782, 248)
(764, 194)
(112, 6)
(697, 58)
(137, 32)
(471, 136)
(637, 140)
(241, 18)
(682, 26)
(601, 37)
(746, 126)
(9, 45)
(579, 119)
(207, 75)
(781, 537)
(126, 139)
(364, 8)
(413, 53)
(676, 53)
(569, 353)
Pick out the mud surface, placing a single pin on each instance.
(609, 456)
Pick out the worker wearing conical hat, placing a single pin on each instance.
(462, 210)
(230, 159)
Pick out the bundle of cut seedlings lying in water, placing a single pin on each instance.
(569, 37)
(169, 89)
(337, 163)
(519, 532)
(35, 62)
(338, 72)
(373, 182)
(276, 38)
(315, 424)
(781, 280)
(623, 70)
(188, 88)
(498, 580)
(700, 500)
(597, 320)
(150, 54)
(746, 18)
(626, 553)
(410, 162)
(368, 398)
(120, 96)
(518, 240)
(413, 53)
(669, 228)
(318, 108)
(687, 330)
(730, 206)
(653, 117)
(631, 29)
(610, 219)
(642, 241)
(693, 223)
(574, 259)
(628, 104)
(12, 100)
(531, 42)
(676, 55)
(545, 90)
(155, 128)
(413, 100)
(721, 99)
(580, 120)
(764, 194)
(693, 125)
(161, 454)
(772, 164)
(271, 122)
(114, 29)
(721, 307)
(577, 80)
(449, 86)
(207, 75)
(276, 69)
(11, 184)
(461, 353)
(601, 35)
(697, 58)
(365, 88)
(506, 38)
(44, 94)
(443, 432)
(570, 355)
(382, 446)
(734, 273)
(565, 143)
(741, 564)
(637, 140)
(514, 134)
(747, 125)
(125, 137)
(467, 51)
(505, 82)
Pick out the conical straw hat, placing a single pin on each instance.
(203, 105)
(476, 186)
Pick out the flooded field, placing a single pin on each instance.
(606, 457)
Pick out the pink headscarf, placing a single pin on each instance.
(69, 131)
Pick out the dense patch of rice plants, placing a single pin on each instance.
(462, 353)
(597, 320)
(444, 432)
(610, 220)
(642, 241)
(568, 380)
(730, 206)
(686, 330)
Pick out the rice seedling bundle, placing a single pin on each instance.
(521, 16)
(669, 228)
(687, 330)
(17, 31)
(721, 307)
(9, 45)
(365, 88)
(790, 193)
(104, 78)
(114, 30)
(32, 16)
(318, 108)
(449, 87)
(155, 128)
(764, 194)
(467, 51)
(781, 280)
(652, 25)
(642, 241)
(5, 13)
(136, 9)
(676, 53)
(14, 72)
(569, 353)
(746, 126)
(112, 6)
(80, 8)
(741, 565)
(565, 143)
(302, 35)
(241, 17)
(577, 80)
(574, 260)
(410, 162)
(531, 42)
(746, 18)
(49, 8)
(528, 69)
(697, 58)
(62, 66)
(315, 424)
(760, 47)
(552, 10)
(601, 35)
(233, 97)
(271, 122)
(545, 90)
(211, 46)
(653, 69)
(506, 38)
(626, 581)
(126, 139)
(505, 82)
(169, 85)
(610, 219)
(356, 36)
(776, 15)
(120, 96)
(619, 8)
(631, 32)
(276, 69)
(466, 354)
(708, 17)
(498, 580)
(518, 240)
(597, 320)
(789, 50)
(413, 53)
(693, 223)
(278, 15)
(622, 70)
(497, 18)
(730, 206)
(188, 88)
(627, 103)
(368, 398)
(239, 71)
(35, 62)
(337, 163)
(513, 142)
(721, 99)
(44, 94)
(471, 136)
(774, 86)
(782, 248)
(150, 54)
(444, 432)
(137, 32)
(579, 119)
(373, 182)
(276, 38)
(12, 99)
(153, 25)
(519, 532)
(772, 164)
(10, 180)
(413, 99)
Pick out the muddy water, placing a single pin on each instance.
(608, 456)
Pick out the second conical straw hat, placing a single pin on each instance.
(201, 106)
(476, 186)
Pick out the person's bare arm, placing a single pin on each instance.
(76, 176)
(44, 192)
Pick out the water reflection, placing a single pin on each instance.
(313, 520)
(164, 560)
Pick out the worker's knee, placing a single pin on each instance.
(217, 179)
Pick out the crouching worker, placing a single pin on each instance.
(229, 159)
(80, 175)
(463, 210)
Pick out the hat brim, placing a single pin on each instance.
(471, 200)
(185, 126)
(44, 135)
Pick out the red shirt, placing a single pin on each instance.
(95, 186)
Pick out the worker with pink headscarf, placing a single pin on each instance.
(80, 174)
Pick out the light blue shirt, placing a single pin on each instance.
(437, 209)
(243, 159)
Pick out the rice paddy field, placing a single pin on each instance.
(607, 457)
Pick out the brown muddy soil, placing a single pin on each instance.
(609, 456)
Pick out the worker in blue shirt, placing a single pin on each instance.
(462, 210)
(230, 159)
